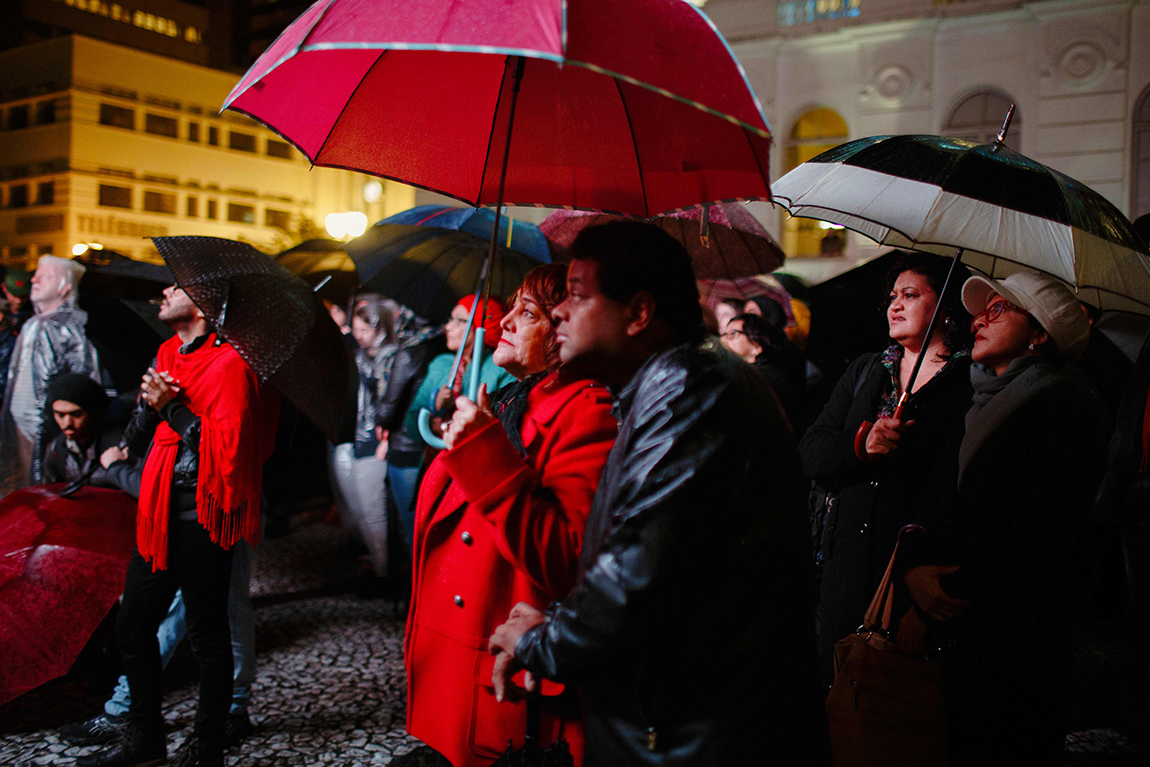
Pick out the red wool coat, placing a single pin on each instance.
(493, 529)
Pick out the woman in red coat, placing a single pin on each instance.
(499, 520)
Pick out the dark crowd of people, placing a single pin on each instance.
(647, 530)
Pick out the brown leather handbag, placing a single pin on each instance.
(885, 707)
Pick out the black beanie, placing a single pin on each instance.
(79, 390)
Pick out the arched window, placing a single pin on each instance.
(1141, 134)
(814, 133)
(979, 116)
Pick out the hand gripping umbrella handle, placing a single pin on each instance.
(864, 432)
(472, 391)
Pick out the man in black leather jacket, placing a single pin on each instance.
(687, 629)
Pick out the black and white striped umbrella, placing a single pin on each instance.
(1007, 212)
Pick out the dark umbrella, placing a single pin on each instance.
(122, 318)
(62, 565)
(725, 241)
(274, 320)
(428, 269)
(521, 236)
(325, 266)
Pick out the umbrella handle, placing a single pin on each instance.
(472, 391)
(864, 432)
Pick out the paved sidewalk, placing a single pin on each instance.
(330, 683)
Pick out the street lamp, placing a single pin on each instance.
(341, 225)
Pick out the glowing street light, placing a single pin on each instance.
(341, 225)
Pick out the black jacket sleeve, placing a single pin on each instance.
(184, 422)
(680, 463)
(827, 448)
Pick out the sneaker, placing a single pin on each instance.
(237, 727)
(193, 753)
(104, 728)
(137, 748)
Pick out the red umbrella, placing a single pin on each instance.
(725, 241)
(637, 107)
(711, 292)
(633, 106)
(62, 566)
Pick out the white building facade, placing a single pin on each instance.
(828, 71)
(109, 145)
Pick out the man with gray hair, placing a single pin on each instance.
(52, 341)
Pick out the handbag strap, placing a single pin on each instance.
(878, 614)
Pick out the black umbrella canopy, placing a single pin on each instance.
(325, 265)
(127, 279)
(275, 322)
(1006, 211)
(428, 269)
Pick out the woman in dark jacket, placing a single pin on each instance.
(417, 343)
(999, 534)
(871, 497)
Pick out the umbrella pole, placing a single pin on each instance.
(489, 266)
(484, 277)
(866, 426)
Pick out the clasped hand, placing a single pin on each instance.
(158, 389)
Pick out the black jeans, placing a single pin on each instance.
(203, 571)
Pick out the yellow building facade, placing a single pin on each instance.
(106, 145)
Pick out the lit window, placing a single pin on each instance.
(281, 149)
(161, 126)
(45, 193)
(193, 208)
(115, 196)
(117, 117)
(245, 142)
(159, 202)
(791, 12)
(241, 214)
(814, 133)
(280, 219)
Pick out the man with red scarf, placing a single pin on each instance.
(207, 426)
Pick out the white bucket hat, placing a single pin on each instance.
(1046, 299)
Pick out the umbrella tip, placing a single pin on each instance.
(1005, 125)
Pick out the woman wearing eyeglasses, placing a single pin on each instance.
(1000, 529)
(437, 391)
(872, 493)
(500, 520)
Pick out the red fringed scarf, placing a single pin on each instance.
(238, 419)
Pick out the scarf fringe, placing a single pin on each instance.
(226, 527)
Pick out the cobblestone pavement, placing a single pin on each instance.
(330, 687)
(330, 683)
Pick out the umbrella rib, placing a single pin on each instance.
(350, 98)
(759, 165)
(491, 135)
(635, 144)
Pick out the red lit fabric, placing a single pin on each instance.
(645, 111)
(62, 565)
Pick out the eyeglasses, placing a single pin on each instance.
(731, 334)
(993, 312)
